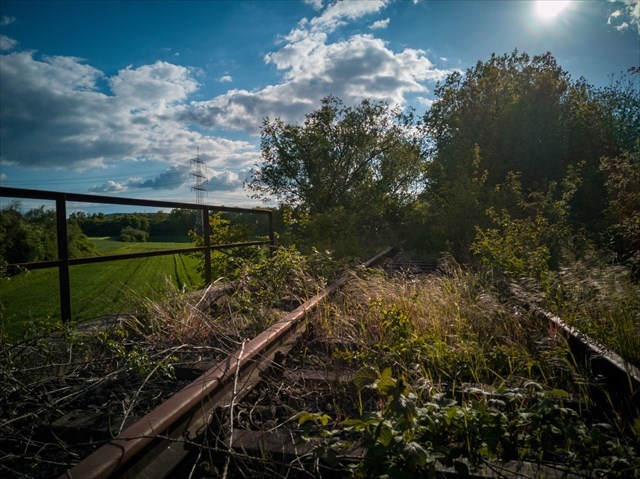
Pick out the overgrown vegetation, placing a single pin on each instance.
(518, 175)
(122, 368)
(451, 375)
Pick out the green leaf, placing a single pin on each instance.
(385, 435)
(557, 393)
(386, 383)
(365, 377)
(415, 454)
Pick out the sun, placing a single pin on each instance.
(550, 9)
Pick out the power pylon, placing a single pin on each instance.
(199, 186)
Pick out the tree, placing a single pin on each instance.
(32, 236)
(365, 161)
(623, 185)
(524, 115)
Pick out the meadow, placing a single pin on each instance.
(31, 300)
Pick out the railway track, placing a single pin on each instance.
(157, 444)
(237, 417)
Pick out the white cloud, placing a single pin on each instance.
(353, 68)
(5, 20)
(3, 176)
(380, 24)
(109, 186)
(224, 181)
(54, 115)
(225, 79)
(316, 4)
(7, 43)
(627, 13)
(336, 14)
(175, 177)
(424, 101)
(153, 87)
(170, 179)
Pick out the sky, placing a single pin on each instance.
(116, 98)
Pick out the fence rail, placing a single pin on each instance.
(64, 262)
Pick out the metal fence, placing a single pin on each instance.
(64, 262)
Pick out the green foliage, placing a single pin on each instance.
(530, 235)
(409, 433)
(623, 186)
(287, 276)
(226, 263)
(31, 236)
(523, 114)
(347, 173)
(132, 235)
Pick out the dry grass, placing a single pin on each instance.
(449, 327)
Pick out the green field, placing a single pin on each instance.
(98, 289)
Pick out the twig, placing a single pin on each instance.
(233, 401)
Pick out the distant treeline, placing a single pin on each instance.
(158, 226)
(31, 235)
(137, 226)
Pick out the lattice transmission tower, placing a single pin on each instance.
(199, 186)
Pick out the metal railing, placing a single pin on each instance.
(64, 262)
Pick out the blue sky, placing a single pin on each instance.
(115, 98)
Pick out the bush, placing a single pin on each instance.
(132, 235)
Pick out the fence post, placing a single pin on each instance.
(206, 231)
(272, 238)
(63, 257)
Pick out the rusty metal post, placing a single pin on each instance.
(63, 257)
(206, 231)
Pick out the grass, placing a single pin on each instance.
(444, 328)
(461, 376)
(30, 299)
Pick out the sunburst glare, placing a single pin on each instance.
(550, 9)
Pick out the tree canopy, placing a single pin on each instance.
(341, 156)
(520, 114)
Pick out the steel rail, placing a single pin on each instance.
(620, 378)
(192, 405)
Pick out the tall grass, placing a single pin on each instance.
(446, 327)
(601, 299)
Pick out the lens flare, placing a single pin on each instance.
(550, 9)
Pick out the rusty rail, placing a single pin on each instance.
(64, 262)
(183, 415)
(620, 379)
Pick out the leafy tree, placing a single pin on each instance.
(364, 161)
(523, 114)
(133, 235)
(32, 236)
